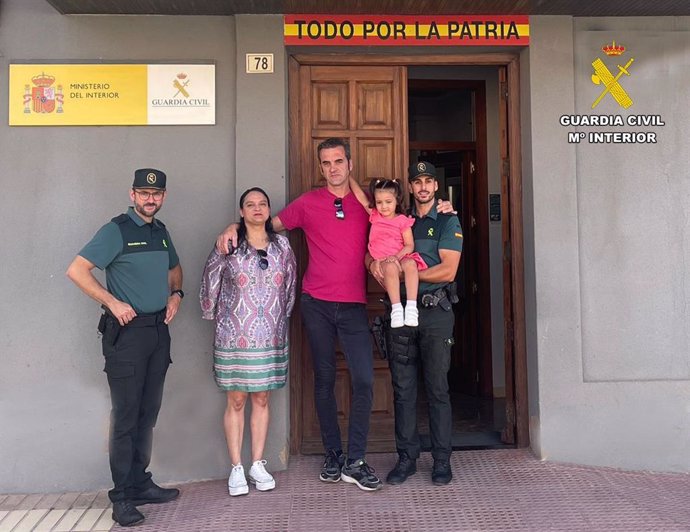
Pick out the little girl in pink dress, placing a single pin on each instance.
(391, 240)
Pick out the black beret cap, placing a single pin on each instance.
(420, 169)
(149, 178)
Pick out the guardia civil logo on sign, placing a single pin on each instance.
(613, 86)
(603, 76)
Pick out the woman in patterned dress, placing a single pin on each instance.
(250, 293)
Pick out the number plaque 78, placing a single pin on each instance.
(259, 63)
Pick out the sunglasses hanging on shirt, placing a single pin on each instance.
(338, 204)
(263, 261)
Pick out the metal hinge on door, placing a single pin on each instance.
(510, 414)
(506, 168)
(503, 90)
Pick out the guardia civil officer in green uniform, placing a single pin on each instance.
(144, 290)
(438, 239)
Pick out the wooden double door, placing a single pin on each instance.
(367, 105)
(362, 105)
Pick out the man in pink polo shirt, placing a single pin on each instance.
(333, 305)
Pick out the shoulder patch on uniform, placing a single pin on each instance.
(122, 218)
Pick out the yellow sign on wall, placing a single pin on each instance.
(111, 94)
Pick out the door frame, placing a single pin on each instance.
(511, 179)
(480, 211)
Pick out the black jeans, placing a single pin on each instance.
(324, 321)
(428, 345)
(136, 365)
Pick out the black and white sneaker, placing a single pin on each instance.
(359, 472)
(330, 472)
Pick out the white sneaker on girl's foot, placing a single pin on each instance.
(411, 317)
(237, 484)
(397, 318)
(261, 478)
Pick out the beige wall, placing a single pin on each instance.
(608, 369)
(60, 185)
(610, 236)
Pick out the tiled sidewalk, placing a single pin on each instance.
(55, 511)
(492, 490)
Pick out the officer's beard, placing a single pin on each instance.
(142, 212)
(426, 200)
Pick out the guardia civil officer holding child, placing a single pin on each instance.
(144, 290)
(438, 239)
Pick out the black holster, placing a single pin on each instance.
(403, 345)
(452, 290)
(378, 330)
(109, 327)
(443, 297)
(401, 342)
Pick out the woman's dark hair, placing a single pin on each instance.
(390, 185)
(242, 231)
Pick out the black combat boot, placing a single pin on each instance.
(154, 495)
(406, 467)
(441, 474)
(126, 514)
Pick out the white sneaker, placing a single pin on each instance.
(397, 318)
(261, 478)
(411, 317)
(237, 484)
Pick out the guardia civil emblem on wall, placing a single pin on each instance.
(603, 76)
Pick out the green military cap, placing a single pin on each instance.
(149, 178)
(422, 168)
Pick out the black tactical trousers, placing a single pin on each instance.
(428, 346)
(136, 361)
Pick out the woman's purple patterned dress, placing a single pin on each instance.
(251, 307)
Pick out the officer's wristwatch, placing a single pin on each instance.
(178, 292)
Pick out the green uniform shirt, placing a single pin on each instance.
(136, 257)
(433, 232)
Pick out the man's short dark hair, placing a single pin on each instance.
(334, 142)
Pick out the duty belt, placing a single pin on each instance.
(433, 299)
(441, 297)
(143, 320)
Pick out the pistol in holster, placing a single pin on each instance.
(452, 291)
(378, 329)
(109, 327)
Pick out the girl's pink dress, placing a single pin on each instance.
(385, 238)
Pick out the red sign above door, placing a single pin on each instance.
(406, 30)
